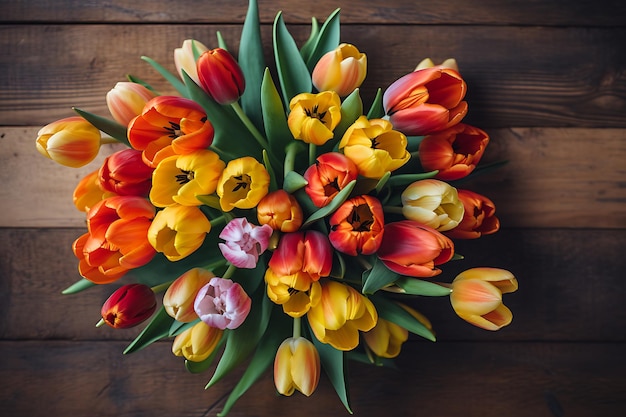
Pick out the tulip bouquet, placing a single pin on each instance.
(285, 225)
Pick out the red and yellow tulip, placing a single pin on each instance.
(73, 141)
(330, 174)
(340, 70)
(281, 211)
(129, 306)
(220, 76)
(479, 218)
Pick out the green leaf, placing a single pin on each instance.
(270, 170)
(178, 327)
(293, 182)
(378, 277)
(108, 126)
(392, 312)
(136, 80)
(169, 77)
(339, 266)
(307, 48)
(351, 110)
(252, 63)
(377, 110)
(157, 329)
(80, 285)
(333, 363)
(415, 286)
(403, 180)
(327, 40)
(332, 206)
(293, 73)
(242, 340)
(276, 128)
(220, 40)
(382, 181)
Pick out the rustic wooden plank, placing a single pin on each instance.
(567, 279)
(452, 379)
(558, 76)
(485, 12)
(554, 178)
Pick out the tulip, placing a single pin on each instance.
(340, 314)
(126, 101)
(296, 367)
(428, 63)
(479, 217)
(410, 248)
(185, 58)
(454, 152)
(180, 295)
(72, 142)
(170, 125)
(476, 297)
(281, 211)
(386, 338)
(116, 240)
(177, 231)
(88, 192)
(125, 173)
(426, 101)
(296, 292)
(129, 306)
(313, 117)
(303, 251)
(222, 303)
(178, 179)
(197, 343)
(374, 147)
(220, 76)
(330, 174)
(341, 70)
(245, 242)
(356, 227)
(243, 183)
(432, 203)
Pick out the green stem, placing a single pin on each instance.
(100, 323)
(223, 219)
(392, 210)
(250, 126)
(312, 153)
(229, 272)
(290, 158)
(107, 140)
(415, 154)
(161, 287)
(297, 327)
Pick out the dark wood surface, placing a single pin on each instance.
(547, 80)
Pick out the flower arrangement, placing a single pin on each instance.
(286, 226)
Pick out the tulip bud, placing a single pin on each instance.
(222, 303)
(125, 173)
(73, 141)
(476, 297)
(185, 58)
(432, 203)
(303, 251)
(126, 101)
(197, 342)
(296, 367)
(128, 306)
(220, 76)
(281, 211)
(179, 297)
(341, 70)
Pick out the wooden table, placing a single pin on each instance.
(547, 80)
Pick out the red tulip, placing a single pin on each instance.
(220, 76)
(125, 173)
(410, 248)
(357, 226)
(128, 306)
(331, 172)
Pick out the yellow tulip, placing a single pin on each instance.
(374, 147)
(340, 70)
(296, 367)
(73, 141)
(476, 297)
(197, 342)
(313, 117)
(433, 203)
(296, 292)
(243, 183)
(179, 297)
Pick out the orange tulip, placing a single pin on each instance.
(410, 248)
(331, 173)
(479, 218)
(179, 297)
(170, 125)
(303, 251)
(455, 152)
(356, 227)
(477, 297)
(296, 367)
(281, 211)
(73, 141)
(88, 192)
(126, 101)
(426, 101)
(129, 306)
(220, 76)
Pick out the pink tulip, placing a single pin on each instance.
(222, 303)
(245, 242)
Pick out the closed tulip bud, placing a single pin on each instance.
(125, 173)
(313, 117)
(426, 101)
(357, 226)
(179, 297)
(303, 251)
(341, 70)
(479, 217)
(476, 297)
(185, 58)
(330, 174)
(454, 152)
(126, 101)
(73, 141)
(220, 76)
(296, 367)
(197, 343)
(432, 203)
(129, 306)
(222, 303)
(281, 211)
(412, 249)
